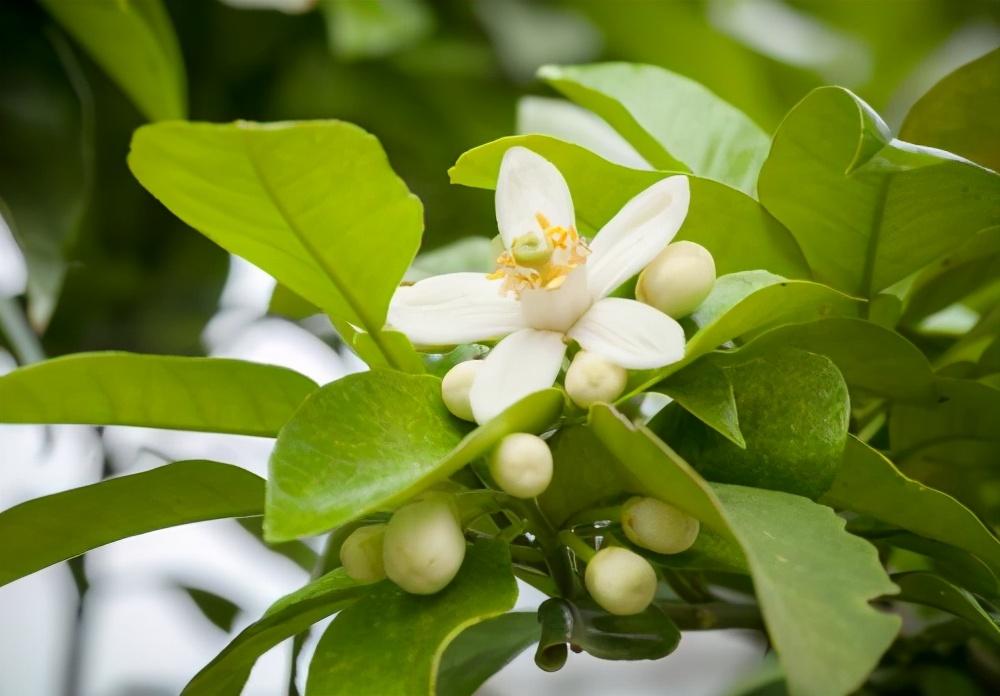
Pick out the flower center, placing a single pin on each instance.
(541, 261)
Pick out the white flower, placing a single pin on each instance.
(550, 287)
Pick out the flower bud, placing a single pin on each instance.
(590, 379)
(621, 581)
(658, 526)
(424, 546)
(361, 553)
(455, 388)
(678, 279)
(522, 465)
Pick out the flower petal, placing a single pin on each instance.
(559, 308)
(636, 234)
(520, 364)
(529, 185)
(454, 308)
(629, 333)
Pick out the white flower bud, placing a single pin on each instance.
(361, 553)
(456, 385)
(621, 581)
(590, 379)
(522, 465)
(678, 279)
(658, 526)
(424, 546)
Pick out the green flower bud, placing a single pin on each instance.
(361, 553)
(658, 526)
(531, 250)
(678, 279)
(522, 465)
(424, 546)
(590, 379)
(455, 388)
(621, 581)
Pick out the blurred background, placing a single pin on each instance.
(107, 267)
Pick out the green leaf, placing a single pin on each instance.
(54, 528)
(742, 304)
(289, 616)
(286, 303)
(964, 409)
(869, 483)
(934, 591)
(154, 391)
(957, 114)
(952, 563)
(704, 391)
(793, 410)
(391, 642)
(134, 42)
(867, 210)
(374, 29)
(870, 357)
(217, 609)
(46, 163)
(482, 650)
(313, 203)
(582, 625)
(337, 459)
(737, 230)
(813, 580)
(674, 123)
(467, 254)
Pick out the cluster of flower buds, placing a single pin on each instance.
(622, 581)
(421, 548)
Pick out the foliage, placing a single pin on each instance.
(836, 450)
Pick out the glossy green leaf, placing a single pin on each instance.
(740, 234)
(46, 164)
(867, 210)
(313, 203)
(869, 483)
(391, 642)
(582, 625)
(337, 460)
(374, 29)
(813, 580)
(216, 608)
(934, 591)
(958, 113)
(54, 528)
(289, 616)
(706, 392)
(134, 42)
(793, 410)
(870, 357)
(964, 409)
(482, 650)
(743, 304)
(674, 123)
(155, 391)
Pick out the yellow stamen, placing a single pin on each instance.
(524, 271)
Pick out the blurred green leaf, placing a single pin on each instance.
(869, 483)
(46, 154)
(740, 234)
(217, 609)
(466, 254)
(391, 642)
(964, 409)
(227, 673)
(582, 625)
(134, 42)
(375, 28)
(43, 531)
(336, 460)
(297, 552)
(286, 303)
(674, 123)
(958, 113)
(813, 580)
(155, 391)
(867, 210)
(482, 650)
(934, 591)
(315, 204)
(793, 411)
